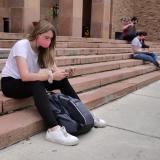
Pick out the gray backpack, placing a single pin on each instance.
(71, 113)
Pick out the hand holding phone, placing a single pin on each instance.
(70, 71)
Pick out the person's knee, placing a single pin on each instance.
(36, 85)
(137, 56)
(132, 56)
(65, 80)
(154, 55)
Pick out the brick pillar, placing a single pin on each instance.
(4, 12)
(23, 13)
(16, 15)
(70, 18)
(77, 18)
(31, 14)
(100, 18)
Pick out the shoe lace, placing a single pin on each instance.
(64, 131)
(96, 119)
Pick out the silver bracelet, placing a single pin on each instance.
(50, 76)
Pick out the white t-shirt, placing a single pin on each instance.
(136, 42)
(23, 49)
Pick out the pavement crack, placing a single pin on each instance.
(135, 132)
(146, 96)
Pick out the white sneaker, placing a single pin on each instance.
(99, 123)
(61, 136)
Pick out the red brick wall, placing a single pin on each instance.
(121, 8)
(4, 12)
(148, 12)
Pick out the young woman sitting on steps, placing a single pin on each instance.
(30, 70)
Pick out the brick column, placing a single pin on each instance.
(23, 13)
(4, 12)
(77, 18)
(100, 18)
(16, 15)
(31, 14)
(70, 18)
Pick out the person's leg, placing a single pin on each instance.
(153, 55)
(131, 37)
(127, 38)
(17, 89)
(154, 59)
(64, 86)
(14, 88)
(145, 57)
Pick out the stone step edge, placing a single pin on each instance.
(13, 36)
(23, 124)
(79, 60)
(97, 67)
(130, 85)
(80, 84)
(91, 81)
(8, 44)
(91, 68)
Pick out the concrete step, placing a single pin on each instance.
(104, 66)
(78, 44)
(7, 43)
(2, 63)
(73, 44)
(74, 60)
(105, 94)
(91, 45)
(4, 52)
(91, 81)
(19, 125)
(17, 36)
(83, 39)
(88, 59)
(11, 36)
(96, 67)
(25, 123)
(81, 83)
(90, 51)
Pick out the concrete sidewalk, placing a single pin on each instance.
(133, 133)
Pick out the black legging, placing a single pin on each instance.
(16, 88)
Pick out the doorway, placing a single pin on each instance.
(86, 22)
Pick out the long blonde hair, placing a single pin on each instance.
(46, 55)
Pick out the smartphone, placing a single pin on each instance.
(68, 70)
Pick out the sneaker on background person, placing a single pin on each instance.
(60, 136)
(99, 123)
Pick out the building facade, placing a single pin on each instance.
(90, 18)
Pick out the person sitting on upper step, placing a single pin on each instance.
(141, 52)
(30, 70)
(128, 28)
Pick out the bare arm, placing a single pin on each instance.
(26, 75)
(137, 49)
(40, 76)
(126, 26)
